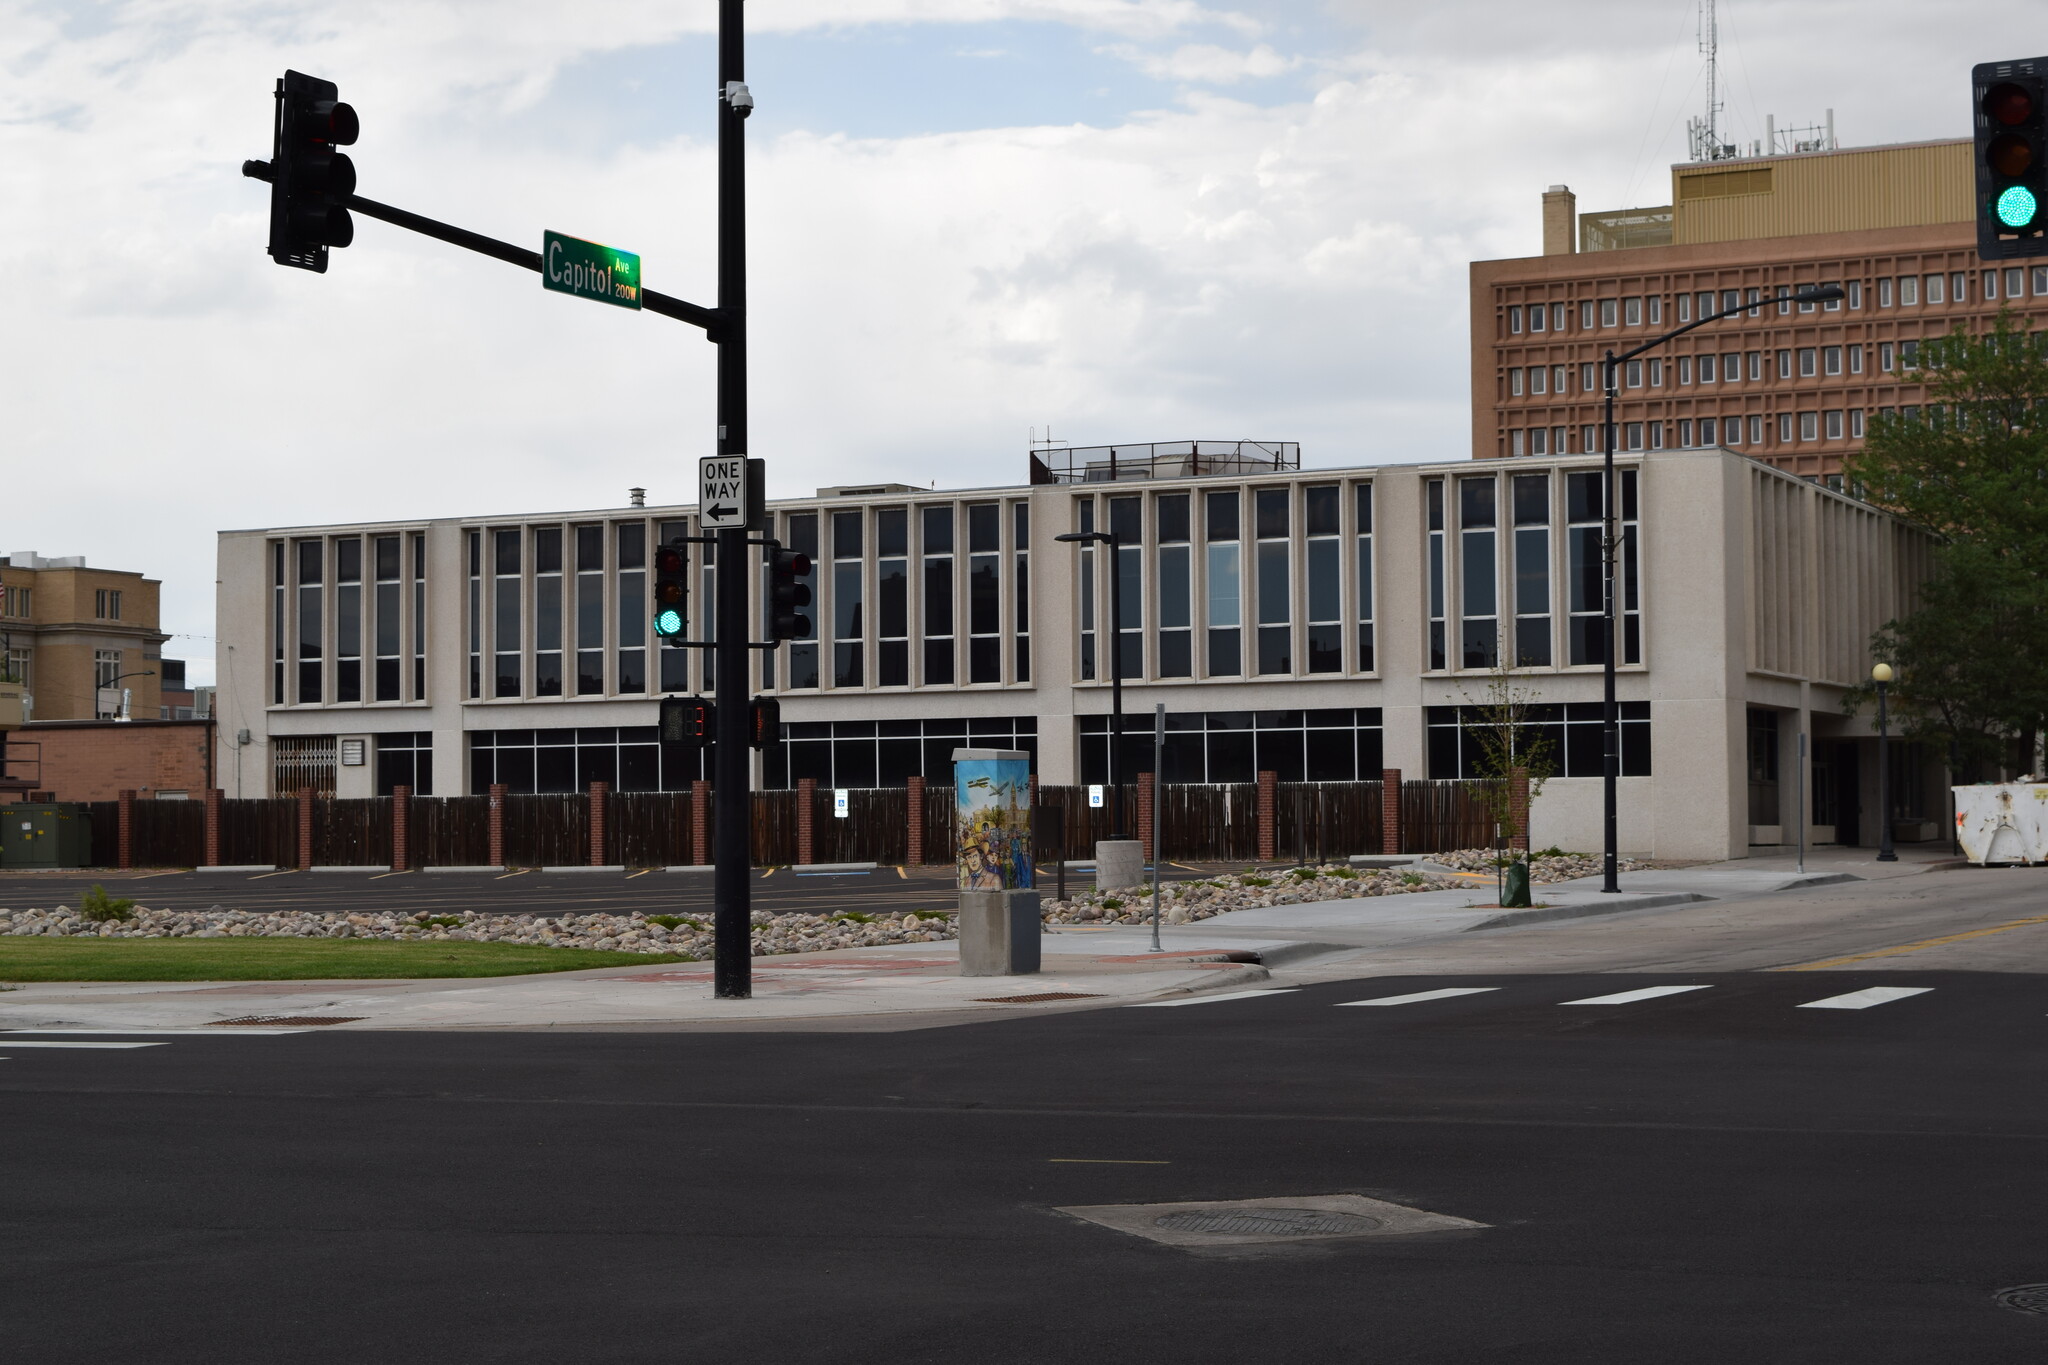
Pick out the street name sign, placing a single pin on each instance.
(570, 265)
(724, 495)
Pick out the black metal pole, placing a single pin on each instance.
(1885, 852)
(733, 965)
(1610, 771)
(1116, 684)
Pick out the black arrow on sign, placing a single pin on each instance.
(719, 511)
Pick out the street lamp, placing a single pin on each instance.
(1611, 547)
(142, 673)
(1881, 674)
(1116, 666)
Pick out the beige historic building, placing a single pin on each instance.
(1323, 624)
(74, 638)
(1794, 385)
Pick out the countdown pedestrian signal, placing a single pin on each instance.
(2011, 123)
(691, 722)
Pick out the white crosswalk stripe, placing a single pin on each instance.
(1446, 993)
(1630, 997)
(1207, 999)
(1864, 999)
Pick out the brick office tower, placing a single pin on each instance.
(1791, 384)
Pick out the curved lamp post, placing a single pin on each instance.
(1611, 547)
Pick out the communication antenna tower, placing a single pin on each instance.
(1704, 134)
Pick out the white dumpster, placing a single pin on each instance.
(2003, 822)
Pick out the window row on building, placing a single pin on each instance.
(1570, 737)
(348, 619)
(931, 595)
(1515, 570)
(1919, 289)
(1733, 430)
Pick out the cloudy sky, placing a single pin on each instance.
(1126, 219)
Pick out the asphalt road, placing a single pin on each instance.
(524, 892)
(1713, 1175)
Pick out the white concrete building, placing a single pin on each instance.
(1321, 623)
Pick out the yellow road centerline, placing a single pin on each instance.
(1900, 949)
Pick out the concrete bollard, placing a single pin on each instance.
(1119, 862)
(999, 933)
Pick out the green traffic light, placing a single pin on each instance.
(2017, 206)
(668, 621)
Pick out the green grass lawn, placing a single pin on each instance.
(288, 959)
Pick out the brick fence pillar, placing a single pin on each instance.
(1269, 821)
(913, 852)
(305, 828)
(806, 811)
(124, 829)
(214, 796)
(401, 828)
(600, 801)
(1518, 809)
(1145, 798)
(496, 824)
(1390, 811)
(700, 822)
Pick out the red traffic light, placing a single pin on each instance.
(668, 559)
(799, 564)
(2008, 104)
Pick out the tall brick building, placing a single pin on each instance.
(74, 637)
(1792, 384)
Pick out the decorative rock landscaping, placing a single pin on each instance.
(1180, 903)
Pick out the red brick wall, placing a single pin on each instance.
(97, 760)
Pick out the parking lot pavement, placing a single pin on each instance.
(526, 892)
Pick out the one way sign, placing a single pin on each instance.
(731, 492)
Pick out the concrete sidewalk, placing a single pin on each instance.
(919, 984)
(912, 984)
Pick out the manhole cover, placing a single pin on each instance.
(2025, 1298)
(292, 1020)
(1269, 1222)
(1034, 999)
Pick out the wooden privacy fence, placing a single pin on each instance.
(1227, 822)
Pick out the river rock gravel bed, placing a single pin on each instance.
(1182, 902)
(635, 933)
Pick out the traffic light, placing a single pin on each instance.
(310, 182)
(671, 592)
(765, 723)
(689, 721)
(2012, 157)
(786, 593)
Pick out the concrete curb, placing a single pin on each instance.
(696, 867)
(801, 868)
(238, 867)
(343, 867)
(1585, 909)
(464, 867)
(587, 867)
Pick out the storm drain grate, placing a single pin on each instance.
(1034, 999)
(291, 1020)
(2025, 1298)
(1270, 1222)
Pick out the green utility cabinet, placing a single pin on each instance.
(57, 834)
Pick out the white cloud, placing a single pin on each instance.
(1207, 64)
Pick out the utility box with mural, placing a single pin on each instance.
(999, 921)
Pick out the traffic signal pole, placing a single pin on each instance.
(732, 775)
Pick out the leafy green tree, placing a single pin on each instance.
(1970, 466)
(1507, 740)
